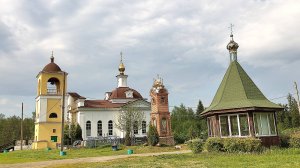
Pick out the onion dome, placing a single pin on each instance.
(51, 67)
(121, 66)
(158, 85)
(232, 45)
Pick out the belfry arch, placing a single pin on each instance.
(53, 86)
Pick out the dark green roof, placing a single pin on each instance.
(237, 90)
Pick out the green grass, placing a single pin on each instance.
(269, 159)
(43, 155)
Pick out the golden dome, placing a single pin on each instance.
(121, 66)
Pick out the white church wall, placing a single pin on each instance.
(105, 117)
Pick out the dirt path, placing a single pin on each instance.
(80, 160)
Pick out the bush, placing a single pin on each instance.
(295, 140)
(196, 145)
(233, 145)
(180, 138)
(284, 141)
(152, 135)
(214, 145)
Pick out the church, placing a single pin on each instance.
(239, 109)
(97, 118)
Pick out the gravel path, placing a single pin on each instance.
(80, 160)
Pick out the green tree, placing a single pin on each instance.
(152, 135)
(128, 119)
(72, 133)
(182, 119)
(201, 122)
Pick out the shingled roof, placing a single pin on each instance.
(237, 91)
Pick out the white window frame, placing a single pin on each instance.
(268, 124)
(229, 124)
(211, 130)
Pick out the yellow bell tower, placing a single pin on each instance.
(51, 86)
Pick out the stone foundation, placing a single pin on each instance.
(167, 140)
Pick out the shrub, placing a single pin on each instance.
(233, 145)
(295, 140)
(152, 135)
(180, 138)
(242, 145)
(284, 141)
(214, 145)
(196, 145)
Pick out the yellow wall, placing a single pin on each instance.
(44, 129)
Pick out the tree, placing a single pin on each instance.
(128, 119)
(72, 133)
(182, 119)
(293, 108)
(152, 135)
(201, 122)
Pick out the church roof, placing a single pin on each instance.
(108, 104)
(101, 104)
(51, 67)
(237, 91)
(120, 93)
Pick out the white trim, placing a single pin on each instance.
(229, 125)
(264, 135)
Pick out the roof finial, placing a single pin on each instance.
(231, 30)
(121, 56)
(121, 66)
(52, 58)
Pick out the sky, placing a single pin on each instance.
(184, 41)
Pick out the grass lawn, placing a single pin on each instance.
(270, 158)
(43, 155)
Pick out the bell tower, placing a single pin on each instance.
(51, 86)
(160, 115)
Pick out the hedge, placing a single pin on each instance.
(233, 145)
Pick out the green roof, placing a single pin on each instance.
(237, 90)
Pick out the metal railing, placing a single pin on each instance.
(53, 91)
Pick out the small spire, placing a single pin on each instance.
(52, 58)
(231, 31)
(232, 46)
(121, 66)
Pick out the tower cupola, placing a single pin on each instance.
(232, 47)
(122, 78)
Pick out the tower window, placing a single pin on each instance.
(99, 128)
(54, 130)
(88, 128)
(53, 115)
(144, 125)
(110, 127)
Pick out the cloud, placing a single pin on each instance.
(183, 41)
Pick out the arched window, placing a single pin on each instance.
(110, 127)
(99, 128)
(144, 125)
(53, 115)
(135, 128)
(88, 128)
(164, 124)
(53, 86)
